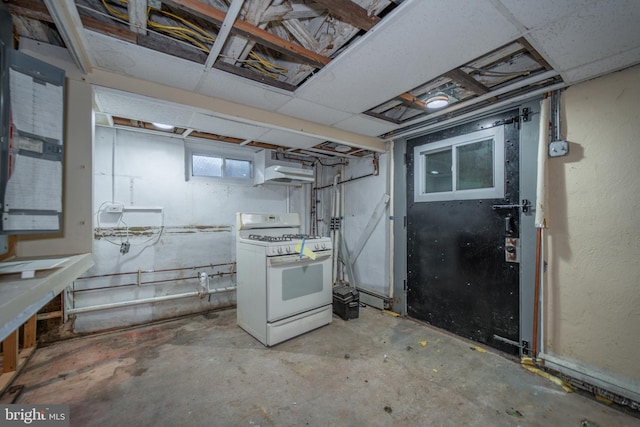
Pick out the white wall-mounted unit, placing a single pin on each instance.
(274, 171)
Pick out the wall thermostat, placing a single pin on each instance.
(558, 148)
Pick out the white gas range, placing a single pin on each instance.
(283, 277)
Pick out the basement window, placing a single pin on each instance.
(211, 163)
(465, 167)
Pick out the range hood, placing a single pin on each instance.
(269, 170)
(288, 174)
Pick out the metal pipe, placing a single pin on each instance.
(347, 180)
(335, 230)
(146, 300)
(391, 183)
(150, 282)
(162, 270)
(536, 294)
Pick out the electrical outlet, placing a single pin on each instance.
(113, 208)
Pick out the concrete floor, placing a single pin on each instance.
(204, 370)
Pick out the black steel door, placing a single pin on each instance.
(460, 275)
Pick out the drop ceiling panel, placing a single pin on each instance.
(207, 123)
(598, 68)
(366, 125)
(311, 111)
(288, 139)
(120, 57)
(142, 108)
(237, 89)
(603, 30)
(418, 41)
(544, 11)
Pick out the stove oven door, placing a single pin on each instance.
(296, 285)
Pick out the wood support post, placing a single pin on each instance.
(29, 338)
(10, 352)
(14, 359)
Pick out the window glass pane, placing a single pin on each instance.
(206, 165)
(475, 165)
(437, 177)
(237, 168)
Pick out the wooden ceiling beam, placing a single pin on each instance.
(260, 36)
(351, 13)
(285, 11)
(466, 81)
(111, 30)
(30, 9)
(411, 101)
(137, 10)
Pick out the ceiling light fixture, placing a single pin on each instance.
(162, 126)
(342, 148)
(437, 101)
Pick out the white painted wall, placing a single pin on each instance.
(361, 196)
(148, 170)
(592, 295)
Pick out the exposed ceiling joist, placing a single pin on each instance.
(225, 30)
(251, 31)
(137, 10)
(66, 17)
(351, 13)
(466, 81)
(29, 9)
(238, 48)
(106, 28)
(288, 10)
(411, 100)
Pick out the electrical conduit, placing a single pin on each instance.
(540, 218)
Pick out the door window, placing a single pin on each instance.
(465, 167)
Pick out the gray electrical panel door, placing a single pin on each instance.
(32, 145)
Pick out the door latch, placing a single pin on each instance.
(525, 205)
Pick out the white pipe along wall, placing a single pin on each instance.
(176, 230)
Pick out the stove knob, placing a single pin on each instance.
(279, 250)
(324, 246)
(288, 249)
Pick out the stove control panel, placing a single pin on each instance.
(289, 248)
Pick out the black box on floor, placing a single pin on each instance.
(346, 302)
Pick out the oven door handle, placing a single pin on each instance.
(294, 259)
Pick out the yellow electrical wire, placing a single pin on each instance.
(196, 36)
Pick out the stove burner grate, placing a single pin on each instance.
(282, 238)
(262, 238)
(300, 236)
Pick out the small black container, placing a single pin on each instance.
(346, 302)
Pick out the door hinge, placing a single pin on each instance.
(405, 221)
(406, 158)
(525, 114)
